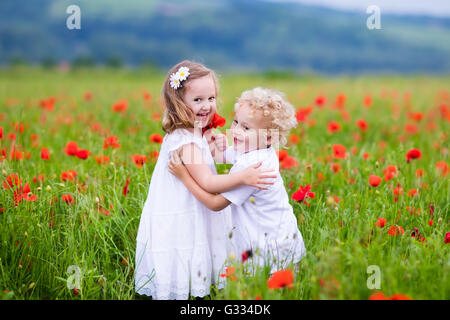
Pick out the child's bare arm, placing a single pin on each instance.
(215, 202)
(217, 145)
(213, 183)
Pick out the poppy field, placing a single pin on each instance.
(366, 171)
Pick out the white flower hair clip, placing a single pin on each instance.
(176, 78)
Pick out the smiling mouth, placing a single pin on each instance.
(202, 115)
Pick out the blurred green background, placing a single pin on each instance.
(228, 35)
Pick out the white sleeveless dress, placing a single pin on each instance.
(181, 245)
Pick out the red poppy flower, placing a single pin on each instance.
(125, 187)
(68, 175)
(245, 255)
(339, 151)
(87, 96)
(111, 141)
(320, 100)
(39, 178)
(120, 106)
(216, 121)
(67, 198)
(139, 160)
(18, 127)
(333, 126)
(413, 154)
(399, 296)
(340, 100)
(101, 159)
(443, 167)
(83, 154)
(1, 132)
(293, 138)
(374, 180)
(229, 274)
(335, 167)
(303, 193)
(281, 279)
(48, 104)
(416, 116)
(147, 96)
(419, 173)
(302, 113)
(413, 192)
(44, 154)
(367, 101)
(289, 162)
(71, 148)
(156, 138)
(12, 181)
(23, 193)
(447, 237)
(394, 230)
(282, 154)
(381, 222)
(154, 154)
(362, 124)
(377, 296)
(381, 296)
(390, 172)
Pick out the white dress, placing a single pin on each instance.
(181, 245)
(263, 220)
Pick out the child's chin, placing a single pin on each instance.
(200, 123)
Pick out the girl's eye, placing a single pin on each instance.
(197, 99)
(235, 121)
(212, 98)
(246, 128)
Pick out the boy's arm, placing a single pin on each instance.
(215, 202)
(217, 146)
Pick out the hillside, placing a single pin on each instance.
(225, 34)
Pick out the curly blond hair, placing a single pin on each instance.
(177, 113)
(273, 104)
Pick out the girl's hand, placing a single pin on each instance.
(220, 140)
(176, 166)
(255, 177)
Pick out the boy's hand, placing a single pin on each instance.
(176, 166)
(258, 177)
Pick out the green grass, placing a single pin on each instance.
(35, 257)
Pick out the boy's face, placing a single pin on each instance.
(248, 129)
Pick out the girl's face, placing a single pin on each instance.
(200, 96)
(248, 130)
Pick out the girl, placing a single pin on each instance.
(181, 244)
(263, 220)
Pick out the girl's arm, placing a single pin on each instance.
(215, 202)
(191, 156)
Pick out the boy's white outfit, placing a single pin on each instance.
(263, 220)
